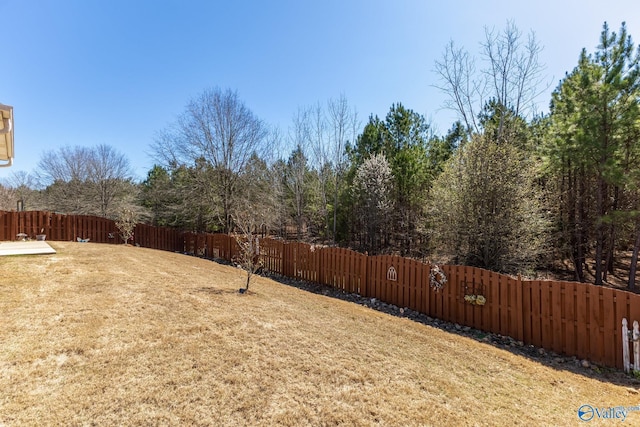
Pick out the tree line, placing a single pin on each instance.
(505, 188)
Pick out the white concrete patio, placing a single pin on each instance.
(30, 247)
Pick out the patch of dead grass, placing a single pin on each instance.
(104, 335)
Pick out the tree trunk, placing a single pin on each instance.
(580, 226)
(573, 230)
(634, 260)
(599, 228)
(610, 263)
(335, 211)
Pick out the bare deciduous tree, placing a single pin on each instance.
(86, 180)
(7, 198)
(343, 127)
(110, 174)
(219, 128)
(20, 186)
(248, 257)
(329, 133)
(512, 75)
(320, 150)
(256, 212)
(65, 164)
(126, 223)
(296, 181)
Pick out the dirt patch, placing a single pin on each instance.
(619, 279)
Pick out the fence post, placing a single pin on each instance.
(625, 346)
(364, 275)
(520, 309)
(636, 346)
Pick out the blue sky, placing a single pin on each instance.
(119, 71)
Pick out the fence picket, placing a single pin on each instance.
(609, 322)
(546, 337)
(570, 333)
(595, 319)
(636, 346)
(484, 312)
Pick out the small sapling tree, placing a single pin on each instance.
(248, 257)
(255, 211)
(126, 223)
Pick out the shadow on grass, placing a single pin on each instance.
(215, 291)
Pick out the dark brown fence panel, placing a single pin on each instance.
(343, 269)
(571, 326)
(401, 284)
(534, 312)
(553, 315)
(545, 314)
(80, 227)
(331, 267)
(272, 253)
(8, 230)
(594, 324)
(515, 324)
(305, 262)
(287, 268)
(148, 236)
(189, 243)
(143, 235)
(498, 304)
(582, 320)
(612, 345)
(61, 228)
(436, 296)
(220, 246)
(201, 245)
(357, 275)
(373, 279)
(192, 243)
(379, 270)
(57, 228)
(418, 289)
(216, 244)
(558, 316)
(327, 263)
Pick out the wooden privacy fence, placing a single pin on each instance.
(57, 226)
(98, 230)
(575, 319)
(163, 238)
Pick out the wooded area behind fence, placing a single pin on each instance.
(574, 319)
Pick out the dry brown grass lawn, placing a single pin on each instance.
(115, 335)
